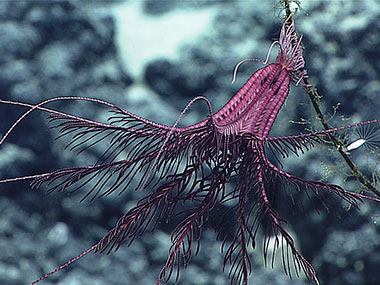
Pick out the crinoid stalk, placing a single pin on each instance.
(191, 167)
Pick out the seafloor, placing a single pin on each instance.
(151, 57)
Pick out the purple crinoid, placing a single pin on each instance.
(192, 166)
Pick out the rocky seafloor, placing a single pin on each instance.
(151, 57)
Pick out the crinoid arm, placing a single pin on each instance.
(299, 144)
(292, 259)
(160, 205)
(190, 195)
(134, 145)
(203, 190)
(251, 211)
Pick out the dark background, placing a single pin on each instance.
(151, 57)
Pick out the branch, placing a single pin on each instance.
(313, 95)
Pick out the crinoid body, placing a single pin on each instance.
(191, 166)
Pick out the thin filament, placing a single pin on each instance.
(145, 181)
(253, 59)
(39, 107)
(65, 265)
